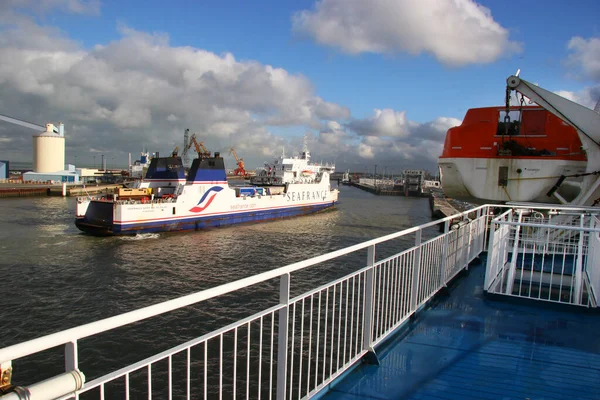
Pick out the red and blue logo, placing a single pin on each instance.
(206, 199)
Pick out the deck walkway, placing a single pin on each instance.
(470, 347)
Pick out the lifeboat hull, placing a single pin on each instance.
(495, 156)
(482, 180)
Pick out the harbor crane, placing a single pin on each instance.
(56, 129)
(200, 149)
(240, 170)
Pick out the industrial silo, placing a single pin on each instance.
(49, 150)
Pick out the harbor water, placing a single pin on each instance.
(55, 277)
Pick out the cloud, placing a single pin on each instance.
(457, 32)
(391, 138)
(385, 122)
(387, 138)
(587, 97)
(91, 7)
(334, 136)
(585, 57)
(140, 91)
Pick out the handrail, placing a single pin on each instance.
(59, 338)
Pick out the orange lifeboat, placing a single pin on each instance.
(490, 158)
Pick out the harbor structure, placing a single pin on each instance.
(4, 169)
(48, 153)
(413, 180)
(49, 150)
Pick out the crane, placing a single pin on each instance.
(585, 121)
(200, 149)
(175, 151)
(52, 128)
(240, 170)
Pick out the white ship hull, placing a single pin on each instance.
(202, 206)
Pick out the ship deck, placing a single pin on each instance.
(467, 346)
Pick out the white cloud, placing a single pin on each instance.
(385, 122)
(587, 97)
(333, 135)
(365, 151)
(391, 138)
(455, 32)
(585, 56)
(140, 91)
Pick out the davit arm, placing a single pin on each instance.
(585, 121)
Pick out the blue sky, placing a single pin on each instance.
(368, 82)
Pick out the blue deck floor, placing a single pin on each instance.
(467, 346)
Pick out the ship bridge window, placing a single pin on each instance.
(513, 126)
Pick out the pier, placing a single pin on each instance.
(80, 190)
(440, 206)
(22, 192)
(379, 190)
(28, 190)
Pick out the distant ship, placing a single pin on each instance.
(165, 200)
(346, 178)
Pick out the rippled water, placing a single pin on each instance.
(54, 277)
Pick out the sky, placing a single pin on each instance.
(367, 83)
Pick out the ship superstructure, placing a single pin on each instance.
(296, 169)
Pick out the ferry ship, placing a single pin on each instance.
(167, 200)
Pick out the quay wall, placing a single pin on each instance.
(25, 190)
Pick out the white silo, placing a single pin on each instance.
(49, 150)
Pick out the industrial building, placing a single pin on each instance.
(48, 155)
(70, 175)
(4, 169)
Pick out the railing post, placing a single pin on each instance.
(493, 253)
(513, 263)
(445, 254)
(416, 270)
(368, 301)
(282, 339)
(480, 231)
(578, 275)
(71, 356)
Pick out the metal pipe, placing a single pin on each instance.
(52, 388)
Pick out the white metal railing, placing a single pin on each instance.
(593, 271)
(550, 254)
(297, 347)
